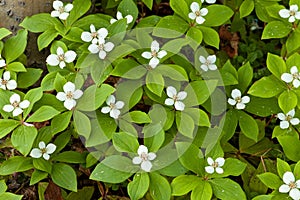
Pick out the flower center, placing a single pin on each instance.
(69, 95)
(4, 82)
(94, 34)
(154, 54)
(215, 165)
(293, 185)
(197, 13)
(144, 156)
(175, 97)
(61, 57)
(15, 104)
(61, 9)
(288, 118)
(101, 47)
(43, 150)
(112, 106)
(296, 75)
(238, 99)
(292, 13)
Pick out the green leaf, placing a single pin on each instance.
(263, 107)
(128, 68)
(226, 189)
(159, 187)
(248, 126)
(232, 167)
(138, 187)
(276, 29)
(202, 191)
(270, 180)
(23, 137)
(138, 117)
(108, 170)
(246, 8)
(10, 196)
(263, 197)
(210, 36)
(170, 27)
(7, 125)
(287, 101)
(42, 164)
(181, 8)
(148, 3)
(282, 167)
(291, 146)
(74, 35)
(185, 124)
(267, 87)
(183, 184)
(245, 75)
(80, 7)
(60, 122)
(125, 142)
(199, 116)
(3, 186)
(15, 46)
(93, 97)
(174, 72)
(37, 176)
(16, 67)
(70, 157)
(15, 164)
(82, 124)
(155, 82)
(64, 176)
(99, 20)
(32, 96)
(39, 22)
(154, 136)
(27, 79)
(85, 193)
(293, 41)
(228, 124)
(276, 65)
(44, 113)
(4, 32)
(46, 38)
(214, 12)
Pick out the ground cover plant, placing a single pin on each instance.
(151, 99)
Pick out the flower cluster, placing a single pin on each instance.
(113, 107)
(208, 63)
(61, 58)
(16, 106)
(287, 119)
(293, 77)
(154, 55)
(197, 13)
(144, 158)
(6, 83)
(292, 13)
(175, 98)
(69, 95)
(237, 100)
(43, 150)
(215, 165)
(61, 11)
(290, 185)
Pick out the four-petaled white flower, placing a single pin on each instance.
(215, 165)
(93, 35)
(209, 1)
(43, 150)
(154, 55)
(2, 62)
(113, 107)
(61, 58)
(175, 98)
(129, 18)
(6, 83)
(292, 13)
(288, 119)
(197, 13)
(293, 77)
(208, 63)
(291, 185)
(101, 47)
(144, 158)
(61, 11)
(69, 95)
(238, 100)
(16, 106)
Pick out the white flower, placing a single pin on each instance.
(290, 185)
(238, 100)
(43, 150)
(294, 77)
(209, 1)
(6, 83)
(292, 13)
(69, 95)
(60, 10)
(215, 165)
(102, 48)
(129, 18)
(61, 58)
(2, 62)
(113, 107)
(288, 119)
(144, 158)
(154, 55)
(93, 35)
(197, 13)
(208, 63)
(16, 106)
(175, 98)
